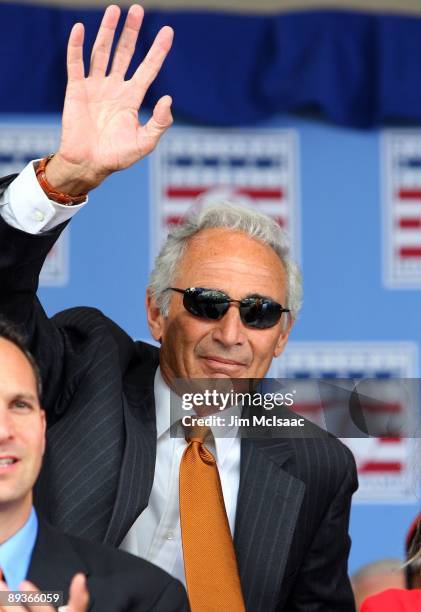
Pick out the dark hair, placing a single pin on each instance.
(9, 331)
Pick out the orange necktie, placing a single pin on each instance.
(210, 564)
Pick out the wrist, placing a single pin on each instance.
(70, 178)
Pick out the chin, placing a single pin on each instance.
(221, 375)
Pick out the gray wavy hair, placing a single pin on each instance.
(228, 216)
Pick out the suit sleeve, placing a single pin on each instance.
(21, 258)
(172, 599)
(322, 583)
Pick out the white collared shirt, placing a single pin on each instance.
(156, 534)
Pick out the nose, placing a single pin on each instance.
(229, 330)
(6, 424)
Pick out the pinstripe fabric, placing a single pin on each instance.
(269, 500)
(138, 463)
(294, 496)
(99, 467)
(291, 528)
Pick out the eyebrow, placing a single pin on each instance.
(259, 295)
(25, 396)
(248, 295)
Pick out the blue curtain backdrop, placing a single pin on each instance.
(357, 69)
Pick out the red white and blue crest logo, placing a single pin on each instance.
(256, 167)
(402, 208)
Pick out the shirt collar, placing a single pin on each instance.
(164, 416)
(16, 552)
(167, 415)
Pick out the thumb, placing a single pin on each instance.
(161, 120)
(161, 116)
(79, 595)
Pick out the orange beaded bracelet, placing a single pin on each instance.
(53, 194)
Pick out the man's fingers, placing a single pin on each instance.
(79, 596)
(127, 42)
(7, 607)
(3, 589)
(151, 65)
(104, 39)
(161, 117)
(75, 68)
(26, 585)
(151, 132)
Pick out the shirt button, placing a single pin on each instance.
(170, 535)
(38, 215)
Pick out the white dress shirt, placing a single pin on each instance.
(156, 534)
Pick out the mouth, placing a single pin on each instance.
(222, 365)
(7, 463)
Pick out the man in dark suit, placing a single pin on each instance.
(30, 548)
(111, 467)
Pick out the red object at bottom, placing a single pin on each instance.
(393, 600)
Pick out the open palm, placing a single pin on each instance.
(101, 132)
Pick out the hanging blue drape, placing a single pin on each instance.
(357, 69)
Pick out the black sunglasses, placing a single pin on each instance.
(255, 311)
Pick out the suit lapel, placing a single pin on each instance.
(138, 466)
(54, 562)
(269, 501)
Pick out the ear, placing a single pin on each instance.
(283, 338)
(154, 316)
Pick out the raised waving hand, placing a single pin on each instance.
(101, 132)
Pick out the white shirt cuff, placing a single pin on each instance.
(25, 206)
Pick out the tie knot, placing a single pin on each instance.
(196, 433)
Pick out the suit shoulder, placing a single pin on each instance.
(116, 580)
(142, 581)
(87, 330)
(325, 461)
(321, 445)
(87, 324)
(314, 445)
(333, 447)
(101, 559)
(86, 319)
(105, 558)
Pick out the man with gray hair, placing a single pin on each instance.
(246, 524)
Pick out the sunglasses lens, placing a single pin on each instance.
(206, 303)
(260, 313)
(257, 312)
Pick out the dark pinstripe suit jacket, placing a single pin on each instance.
(294, 496)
